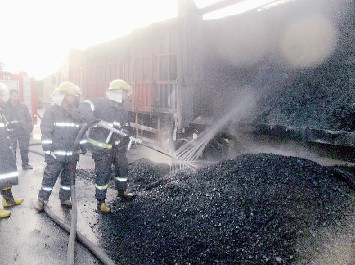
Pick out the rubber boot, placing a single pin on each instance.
(9, 200)
(4, 213)
(39, 207)
(16, 202)
(27, 166)
(103, 207)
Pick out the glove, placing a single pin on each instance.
(125, 130)
(125, 141)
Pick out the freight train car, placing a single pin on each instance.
(26, 87)
(147, 60)
(284, 65)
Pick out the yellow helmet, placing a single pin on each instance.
(119, 84)
(69, 88)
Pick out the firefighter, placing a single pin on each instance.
(60, 126)
(21, 123)
(8, 169)
(109, 148)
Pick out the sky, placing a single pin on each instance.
(37, 34)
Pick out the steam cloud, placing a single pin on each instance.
(308, 41)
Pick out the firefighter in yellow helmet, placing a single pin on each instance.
(60, 126)
(8, 169)
(109, 148)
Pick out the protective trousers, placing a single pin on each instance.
(103, 164)
(23, 139)
(7, 195)
(50, 176)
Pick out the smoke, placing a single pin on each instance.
(242, 43)
(264, 50)
(299, 33)
(308, 42)
(272, 50)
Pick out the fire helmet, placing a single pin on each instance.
(119, 84)
(68, 88)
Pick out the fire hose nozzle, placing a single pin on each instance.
(119, 132)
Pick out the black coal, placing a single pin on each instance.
(254, 209)
(320, 98)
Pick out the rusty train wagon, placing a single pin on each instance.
(282, 69)
(147, 60)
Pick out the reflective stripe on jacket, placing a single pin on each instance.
(103, 109)
(59, 128)
(8, 170)
(8, 179)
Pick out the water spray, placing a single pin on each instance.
(193, 150)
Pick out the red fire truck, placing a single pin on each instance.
(26, 87)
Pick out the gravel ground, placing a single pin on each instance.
(254, 209)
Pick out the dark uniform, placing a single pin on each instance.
(21, 124)
(107, 148)
(8, 169)
(59, 129)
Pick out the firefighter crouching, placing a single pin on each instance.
(109, 148)
(8, 169)
(60, 126)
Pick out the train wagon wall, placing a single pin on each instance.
(147, 60)
(186, 68)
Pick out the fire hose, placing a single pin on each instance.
(132, 139)
(73, 221)
(74, 211)
(109, 127)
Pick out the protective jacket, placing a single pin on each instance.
(101, 140)
(59, 128)
(19, 118)
(107, 148)
(8, 169)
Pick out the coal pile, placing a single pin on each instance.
(145, 174)
(254, 209)
(319, 98)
